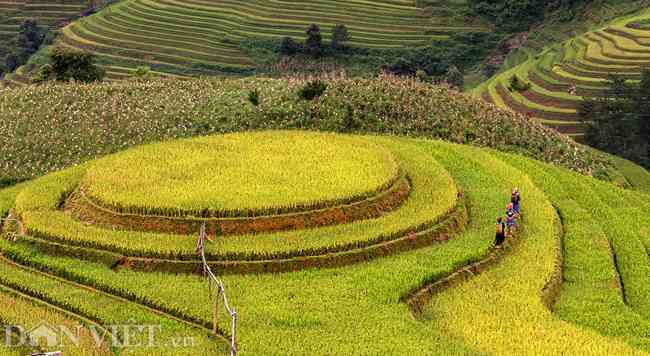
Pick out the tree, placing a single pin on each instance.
(402, 66)
(11, 62)
(143, 73)
(314, 42)
(67, 63)
(454, 77)
(340, 35)
(289, 47)
(617, 121)
(28, 40)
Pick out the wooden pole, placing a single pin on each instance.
(215, 315)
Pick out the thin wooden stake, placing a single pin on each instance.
(215, 315)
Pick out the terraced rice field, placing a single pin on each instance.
(561, 76)
(201, 36)
(47, 13)
(422, 278)
(53, 14)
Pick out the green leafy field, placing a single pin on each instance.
(72, 124)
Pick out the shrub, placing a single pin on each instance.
(340, 35)
(518, 85)
(70, 64)
(143, 73)
(312, 90)
(289, 47)
(314, 42)
(11, 62)
(454, 77)
(254, 97)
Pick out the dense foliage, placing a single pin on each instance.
(67, 64)
(439, 59)
(520, 15)
(70, 124)
(28, 40)
(619, 120)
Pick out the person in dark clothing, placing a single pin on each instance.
(500, 232)
(515, 199)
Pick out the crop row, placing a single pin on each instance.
(364, 295)
(160, 29)
(25, 313)
(433, 194)
(606, 269)
(118, 314)
(581, 67)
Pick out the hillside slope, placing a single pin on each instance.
(47, 14)
(563, 74)
(69, 124)
(202, 37)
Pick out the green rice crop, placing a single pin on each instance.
(592, 293)
(107, 310)
(19, 311)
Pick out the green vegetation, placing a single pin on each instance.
(67, 64)
(202, 37)
(603, 252)
(636, 176)
(332, 210)
(27, 25)
(562, 75)
(618, 120)
(72, 124)
(28, 313)
(241, 175)
(108, 310)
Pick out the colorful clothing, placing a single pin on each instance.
(510, 219)
(515, 200)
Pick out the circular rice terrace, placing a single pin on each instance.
(270, 201)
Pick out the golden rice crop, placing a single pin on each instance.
(433, 194)
(261, 173)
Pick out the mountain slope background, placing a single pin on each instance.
(201, 37)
